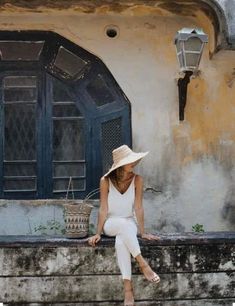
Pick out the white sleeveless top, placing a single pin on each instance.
(121, 205)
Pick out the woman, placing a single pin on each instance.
(120, 205)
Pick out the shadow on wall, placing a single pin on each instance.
(160, 212)
(228, 210)
(205, 195)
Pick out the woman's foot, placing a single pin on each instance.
(129, 297)
(149, 274)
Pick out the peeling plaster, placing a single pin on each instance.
(148, 75)
(137, 8)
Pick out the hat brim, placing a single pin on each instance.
(134, 157)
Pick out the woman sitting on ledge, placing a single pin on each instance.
(120, 205)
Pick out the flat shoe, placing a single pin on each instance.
(155, 279)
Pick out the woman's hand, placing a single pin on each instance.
(150, 236)
(94, 239)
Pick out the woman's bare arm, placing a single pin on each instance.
(103, 210)
(139, 211)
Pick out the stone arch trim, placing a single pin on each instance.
(221, 12)
(213, 9)
(221, 26)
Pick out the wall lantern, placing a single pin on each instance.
(189, 46)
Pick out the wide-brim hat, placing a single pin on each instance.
(123, 155)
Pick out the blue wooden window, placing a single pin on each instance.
(61, 115)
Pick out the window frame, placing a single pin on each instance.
(94, 115)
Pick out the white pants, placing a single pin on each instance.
(126, 242)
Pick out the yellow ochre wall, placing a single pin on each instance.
(189, 173)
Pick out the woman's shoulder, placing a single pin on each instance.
(138, 180)
(104, 181)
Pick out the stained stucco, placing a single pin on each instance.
(189, 173)
(194, 269)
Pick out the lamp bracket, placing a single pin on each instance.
(182, 88)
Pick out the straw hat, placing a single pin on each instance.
(123, 155)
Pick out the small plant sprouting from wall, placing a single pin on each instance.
(198, 228)
(52, 226)
(92, 230)
(56, 228)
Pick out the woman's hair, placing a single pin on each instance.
(116, 175)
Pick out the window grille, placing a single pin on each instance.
(68, 142)
(20, 50)
(20, 158)
(99, 91)
(111, 139)
(69, 63)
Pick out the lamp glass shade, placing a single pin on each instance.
(189, 44)
(193, 44)
(179, 45)
(189, 53)
(192, 60)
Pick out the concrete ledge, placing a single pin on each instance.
(203, 302)
(195, 269)
(165, 239)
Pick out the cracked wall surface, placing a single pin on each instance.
(194, 268)
(189, 173)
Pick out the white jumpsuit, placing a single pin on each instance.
(121, 223)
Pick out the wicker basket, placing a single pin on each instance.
(77, 216)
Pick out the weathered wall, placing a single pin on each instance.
(189, 174)
(228, 8)
(195, 270)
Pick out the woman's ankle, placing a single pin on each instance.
(128, 284)
(129, 295)
(141, 261)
